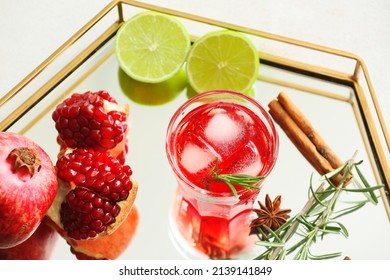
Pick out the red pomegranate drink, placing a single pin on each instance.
(213, 138)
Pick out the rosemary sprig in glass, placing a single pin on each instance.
(243, 180)
(318, 217)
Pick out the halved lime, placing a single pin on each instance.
(151, 47)
(223, 60)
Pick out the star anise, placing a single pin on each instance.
(269, 215)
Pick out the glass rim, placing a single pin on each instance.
(202, 193)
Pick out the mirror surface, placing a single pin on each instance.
(151, 108)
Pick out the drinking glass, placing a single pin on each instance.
(211, 134)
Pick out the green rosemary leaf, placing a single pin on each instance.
(329, 230)
(263, 235)
(302, 255)
(316, 196)
(319, 199)
(232, 188)
(303, 221)
(327, 179)
(357, 163)
(267, 255)
(334, 172)
(365, 190)
(325, 193)
(349, 210)
(317, 209)
(243, 180)
(322, 196)
(282, 255)
(359, 185)
(297, 245)
(344, 230)
(310, 186)
(271, 244)
(263, 256)
(366, 184)
(284, 226)
(324, 256)
(272, 234)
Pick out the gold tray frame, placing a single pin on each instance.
(363, 99)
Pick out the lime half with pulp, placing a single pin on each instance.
(152, 47)
(223, 60)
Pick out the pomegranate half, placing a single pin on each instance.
(28, 186)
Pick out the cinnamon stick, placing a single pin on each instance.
(304, 136)
(307, 128)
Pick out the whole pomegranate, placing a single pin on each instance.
(28, 186)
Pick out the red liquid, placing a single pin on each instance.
(241, 142)
(217, 237)
(227, 131)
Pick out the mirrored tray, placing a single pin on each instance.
(332, 88)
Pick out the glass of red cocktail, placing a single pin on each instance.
(212, 134)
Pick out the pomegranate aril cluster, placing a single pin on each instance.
(100, 182)
(91, 126)
(84, 215)
(97, 171)
(90, 120)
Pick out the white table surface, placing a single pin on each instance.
(31, 30)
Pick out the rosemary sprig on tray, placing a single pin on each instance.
(243, 180)
(318, 218)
